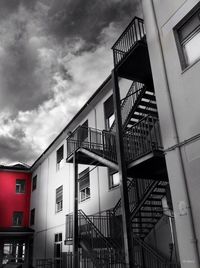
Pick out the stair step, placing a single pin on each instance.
(146, 112)
(148, 104)
(153, 199)
(149, 97)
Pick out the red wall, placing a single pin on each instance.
(11, 201)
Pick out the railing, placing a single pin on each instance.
(92, 240)
(98, 141)
(128, 102)
(101, 222)
(144, 137)
(146, 256)
(86, 262)
(44, 263)
(133, 33)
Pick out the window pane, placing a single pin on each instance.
(192, 49)
(20, 186)
(60, 154)
(34, 183)
(115, 179)
(59, 198)
(111, 119)
(17, 218)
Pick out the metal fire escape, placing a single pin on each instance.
(143, 160)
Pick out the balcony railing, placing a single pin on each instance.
(93, 225)
(97, 141)
(95, 238)
(144, 137)
(133, 33)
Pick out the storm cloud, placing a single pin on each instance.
(87, 19)
(53, 56)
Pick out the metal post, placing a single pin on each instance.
(122, 174)
(75, 214)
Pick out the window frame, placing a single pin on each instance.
(21, 213)
(22, 190)
(82, 176)
(60, 162)
(32, 217)
(111, 172)
(109, 112)
(180, 43)
(59, 203)
(34, 183)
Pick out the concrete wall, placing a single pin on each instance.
(47, 221)
(183, 88)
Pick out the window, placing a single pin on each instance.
(114, 180)
(58, 237)
(84, 185)
(20, 186)
(34, 182)
(83, 132)
(32, 220)
(17, 218)
(59, 199)
(60, 156)
(58, 250)
(187, 34)
(109, 112)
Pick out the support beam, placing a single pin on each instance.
(75, 214)
(128, 248)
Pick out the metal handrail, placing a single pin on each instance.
(133, 33)
(128, 102)
(151, 256)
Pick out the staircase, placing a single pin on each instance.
(145, 205)
(100, 248)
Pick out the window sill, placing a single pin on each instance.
(58, 211)
(82, 201)
(113, 188)
(190, 66)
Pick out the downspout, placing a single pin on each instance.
(149, 12)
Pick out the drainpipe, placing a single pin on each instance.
(75, 214)
(187, 242)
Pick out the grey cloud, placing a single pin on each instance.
(15, 149)
(24, 85)
(75, 18)
(7, 7)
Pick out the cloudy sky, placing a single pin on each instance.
(53, 56)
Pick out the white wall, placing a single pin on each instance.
(47, 221)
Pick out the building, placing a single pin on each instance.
(15, 235)
(119, 186)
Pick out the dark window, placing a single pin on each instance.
(32, 220)
(84, 185)
(34, 182)
(109, 112)
(113, 178)
(17, 218)
(187, 34)
(58, 251)
(59, 199)
(20, 186)
(58, 237)
(83, 132)
(60, 157)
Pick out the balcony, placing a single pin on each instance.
(142, 147)
(130, 53)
